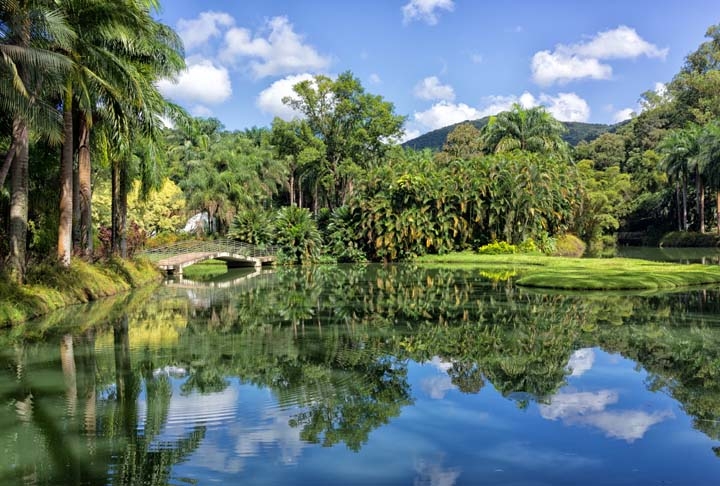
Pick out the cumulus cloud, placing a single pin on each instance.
(431, 89)
(283, 51)
(566, 107)
(202, 82)
(584, 60)
(558, 67)
(589, 409)
(620, 43)
(201, 111)
(270, 99)
(425, 10)
(581, 361)
(476, 58)
(409, 134)
(375, 78)
(622, 115)
(195, 32)
(444, 113)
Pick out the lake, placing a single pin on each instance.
(370, 374)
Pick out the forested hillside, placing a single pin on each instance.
(575, 133)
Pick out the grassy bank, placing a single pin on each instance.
(51, 287)
(585, 273)
(205, 270)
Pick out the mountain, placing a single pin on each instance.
(576, 133)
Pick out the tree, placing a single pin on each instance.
(679, 148)
(532, 129)
(464, 142)
(31, 75)
(353, 125)
(709, 160)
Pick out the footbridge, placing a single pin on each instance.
(171, 259)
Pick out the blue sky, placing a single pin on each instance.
(438, 61)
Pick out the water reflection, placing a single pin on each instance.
(348, 366)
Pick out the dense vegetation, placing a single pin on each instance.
(81, 112)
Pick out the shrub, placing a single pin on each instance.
(297, 235)
(689, 239)
(569, 245)
(498, 248)
(251, 226)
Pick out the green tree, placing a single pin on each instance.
(353, 125)
(532, 129)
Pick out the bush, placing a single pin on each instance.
(251, 226)
(498, 248)
(569, 246)
(297, 235)
(689, 239)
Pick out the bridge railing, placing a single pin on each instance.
(209, 246)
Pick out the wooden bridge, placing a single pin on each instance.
(171, 259)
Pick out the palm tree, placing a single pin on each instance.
(679, 149)
(532, 129)
(709, 160)
(30, 77)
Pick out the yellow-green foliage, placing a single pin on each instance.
(498, 248)
(570, 246)
(51, 286)
(161, 212)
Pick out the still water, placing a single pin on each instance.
(365, 375)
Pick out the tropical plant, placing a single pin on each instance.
(531, 129)
(296, 235)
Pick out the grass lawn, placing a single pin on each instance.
(541, 271)
(205, 270)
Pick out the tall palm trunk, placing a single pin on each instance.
(85, 181)
(677, 204)
(701, 202)
(19, 201)
(717, 210)
(119, 210)
(684, 203)
(66, 179)
(9, 156)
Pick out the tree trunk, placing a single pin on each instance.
(85, 179)
(717, 210)
(19, 202)
(677, 203)
(9, 156)
(123, 210)
(701, 202)
(115, 209)
(64, 247)
(76, 208)
(292, 188)
(684, 204)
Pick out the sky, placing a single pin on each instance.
(438, 61)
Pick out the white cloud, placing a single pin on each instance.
(444, 113)
(588, 409)
(476, 58)
(558, 67)
(409, 134)
(270, 99)
(566, 107)
(201, 82)
(565, 405)
(620, 43)
(581, 361)
(282, 52)
(628, 425)
(431, 89)
(437, 386)
(661, 89)
(425, 10)
(432, 473)
(622, 115)
(375, 78)
(197, 31)
(201, 111)
(583, 60)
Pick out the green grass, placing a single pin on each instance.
(50, 287)
(205, 270)
(562, 273)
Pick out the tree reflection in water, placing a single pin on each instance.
(333, 345)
